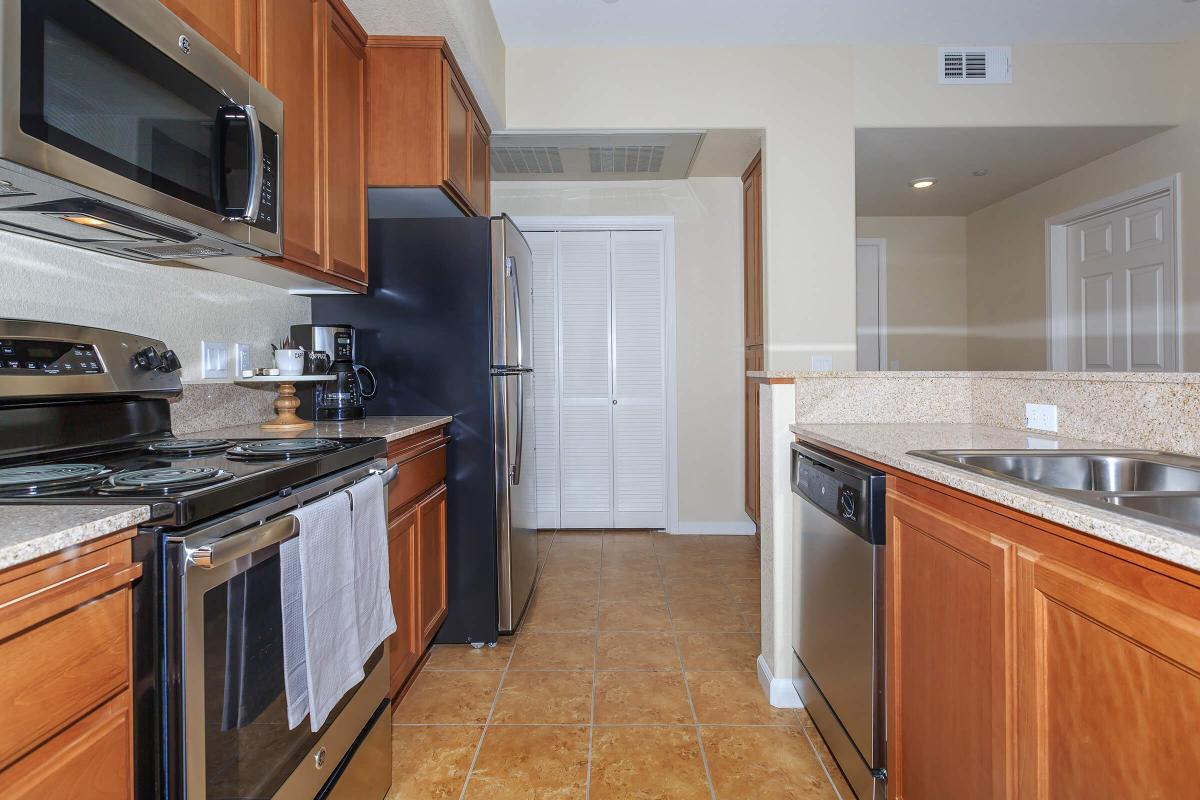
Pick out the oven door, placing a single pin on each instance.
(227, 707)
(121, 97)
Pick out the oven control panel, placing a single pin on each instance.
(45, 357)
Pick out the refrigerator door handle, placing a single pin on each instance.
(510, 271)
(515, 471)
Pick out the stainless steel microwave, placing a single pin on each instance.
(125, 132)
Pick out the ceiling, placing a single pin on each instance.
(887, 159)
(556, 23)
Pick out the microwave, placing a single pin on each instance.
(124, 132)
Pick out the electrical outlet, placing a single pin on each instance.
(214, 360)
(1041, 417)
(822, 363)
(242, 358)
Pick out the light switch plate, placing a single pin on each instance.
(1041, 417)
(214, 360)
(242, 358)
(822, 363)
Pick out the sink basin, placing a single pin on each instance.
(1101, 472)
(1179, 508)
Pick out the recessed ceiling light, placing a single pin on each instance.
(979, 173)
(610, 2)
(922, 183)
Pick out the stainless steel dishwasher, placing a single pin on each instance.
(838, 622)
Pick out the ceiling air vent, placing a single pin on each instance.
(526, 161)
(974, 65)
(628, 159)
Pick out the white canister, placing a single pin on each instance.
(290, 362)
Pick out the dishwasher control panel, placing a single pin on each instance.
(850, 493)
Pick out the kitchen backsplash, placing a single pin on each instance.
(1147, 410)
(180, 305)
(209, 404)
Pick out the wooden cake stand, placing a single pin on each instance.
(286, 401)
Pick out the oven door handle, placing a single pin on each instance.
(277, 530)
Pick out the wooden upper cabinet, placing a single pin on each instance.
(229, 25)
(752, 251)
(481, 169)
(343, 111)
(458, 126)
(290, 68)
(424, 127)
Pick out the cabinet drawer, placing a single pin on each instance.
(422, 461)
(59, 670)
(91, 759)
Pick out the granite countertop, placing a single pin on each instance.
(390, 428)
(889, 444)
(32, 531)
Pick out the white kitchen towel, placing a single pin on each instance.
(369, 511)
(332, 653)
(295, 665)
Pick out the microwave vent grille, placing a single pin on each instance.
(169, 251)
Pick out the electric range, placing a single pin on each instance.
(85, 419)
(182, 480)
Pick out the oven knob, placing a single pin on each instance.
(147, 359)
(846, 505)
(170, 362)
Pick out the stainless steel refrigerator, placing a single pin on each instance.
(445, 327)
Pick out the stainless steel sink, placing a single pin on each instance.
(1079, 470)
(1160, 487)
(1181, 508)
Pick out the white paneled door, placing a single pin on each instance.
(1122, 279)
(601, 325)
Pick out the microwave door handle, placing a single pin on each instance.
(255, 159)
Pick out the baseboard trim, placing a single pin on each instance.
(779, 691)
(736, 528)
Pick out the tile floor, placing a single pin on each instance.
(633, 678)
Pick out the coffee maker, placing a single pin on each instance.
(341, 398)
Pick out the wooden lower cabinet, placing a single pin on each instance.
(1026, 661)
(405, 646)
(416, 550)
(752, 411)
(431, 563)
(65, 654)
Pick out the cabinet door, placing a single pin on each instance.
(950, 601)
(1110, 683)
(754, 361)
(431, 564)
(345, 149)
(752, 254)
(404, 647)
(226, 24)
(290, 67)
(457, 129)
(480, 169)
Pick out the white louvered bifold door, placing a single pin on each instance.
(585, 405)
(639, 424)
(545, 377)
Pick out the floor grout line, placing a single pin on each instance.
(587, 785)
(687, 687)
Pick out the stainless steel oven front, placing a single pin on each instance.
(225, 726)
(122, 130)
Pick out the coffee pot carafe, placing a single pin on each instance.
(341, 398)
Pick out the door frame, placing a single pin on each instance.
(1057, 291)
(882, 326)
(550, 224)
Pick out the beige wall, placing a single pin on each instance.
(180, 305)
(708, 292)
(926, 289)
(808, 99)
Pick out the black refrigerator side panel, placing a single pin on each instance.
(424, 330)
